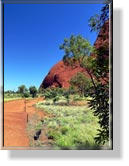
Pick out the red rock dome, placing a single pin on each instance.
(60, 74)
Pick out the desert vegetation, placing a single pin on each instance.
(95, 61)
(78, 116)
(22, 92)
(72, 126)
(71, 122)
(10, 95)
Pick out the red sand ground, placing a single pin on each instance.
(15, 121)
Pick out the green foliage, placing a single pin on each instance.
(47, 93)
(9, 92)
(76, 48)
(80, 82)
(102, 63)
(11, 95)
(77, 52)
(78, 98)
(52, 93)
(70, 127)
(55, 99)
(22, 89)
(57, 94)
(100, 103)
(96, 22)
(33, 91)
(66, 94)
(26, 95)
(100, 69)
(72, 90)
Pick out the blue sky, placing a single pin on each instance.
(33, 34)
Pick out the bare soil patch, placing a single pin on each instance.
(16, 115)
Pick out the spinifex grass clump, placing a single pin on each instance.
(70, 127)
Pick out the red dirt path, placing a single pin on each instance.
(16, 114)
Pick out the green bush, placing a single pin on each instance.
(26, 95)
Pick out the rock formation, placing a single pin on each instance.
(103, 37)
(60, 74)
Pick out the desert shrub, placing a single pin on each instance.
(77, 98)
(26, 95)
(66, 94)
(70, 127)
(52, 93)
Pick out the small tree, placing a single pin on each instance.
(22, 89)
(78, 52)
(80, 82)
(33, 91)
(76, 49)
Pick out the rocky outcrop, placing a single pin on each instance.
(103, 39)
(60, 74)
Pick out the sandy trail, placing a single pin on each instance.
(16, 114)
